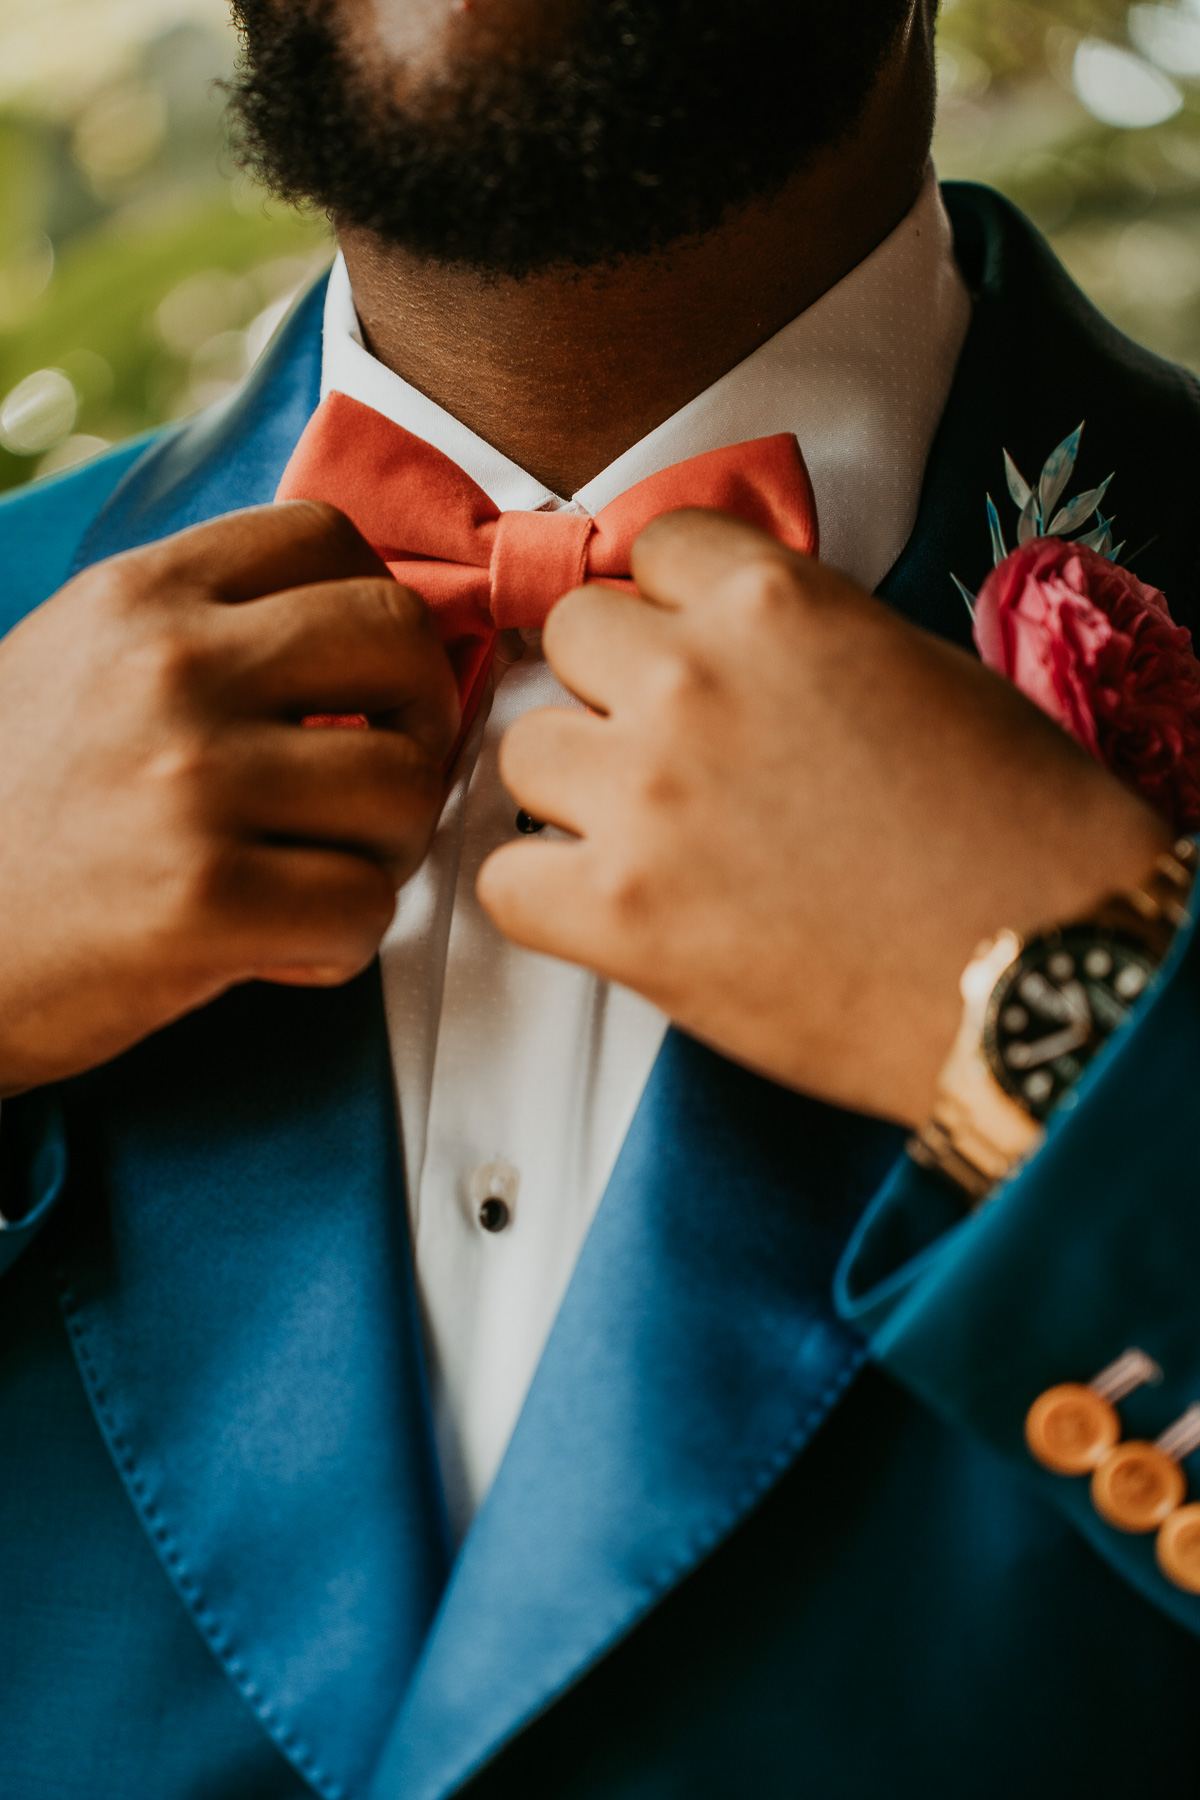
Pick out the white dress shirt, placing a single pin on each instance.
(517, 1076)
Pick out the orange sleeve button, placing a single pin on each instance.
(1137, 1486)
(1178, 1548)
(1071, 1428)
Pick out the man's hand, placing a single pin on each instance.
(797, 814)
(167, 827)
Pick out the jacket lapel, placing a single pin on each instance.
(695, 1354)
(236, 1277)
(236, 1285)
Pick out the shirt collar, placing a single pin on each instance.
(861, 377)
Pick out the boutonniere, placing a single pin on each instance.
(1089, 643)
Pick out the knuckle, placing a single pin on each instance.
(625, 893)
(320, 519)
(680, 680)
(115, 586)
(402, 608)
(762, 593)
(657, 786)
(321, 515)
(172, 662)
(400, 769)
(398, 777)
(335, 543)
(186, 764)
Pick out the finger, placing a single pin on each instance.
(308, 975)
(342, 647)
(597, 638)
(260, 550)
(553, 764)
(296, 907)
(690, 558)
(371, 792)
(540, 895)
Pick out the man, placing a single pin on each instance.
(663, 1530)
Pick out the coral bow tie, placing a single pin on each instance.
(480, 570)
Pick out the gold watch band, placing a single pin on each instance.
(977, 1132)
(1157, 909)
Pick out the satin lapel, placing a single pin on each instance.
(238, 1293)
(695, 1353)
(236, 1276)
(232, 455)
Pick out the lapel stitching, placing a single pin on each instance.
(186, 1586)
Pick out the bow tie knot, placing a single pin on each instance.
(480, 570)
(536, 558)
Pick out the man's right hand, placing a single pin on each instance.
(167, 827)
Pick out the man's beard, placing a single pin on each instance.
(647, 125)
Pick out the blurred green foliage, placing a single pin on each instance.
(1120, 201)
(133, 258)
(140, 274)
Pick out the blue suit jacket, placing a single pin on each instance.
(766, 1526)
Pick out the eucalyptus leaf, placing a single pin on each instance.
(1076, 511)
(1018, 487)
(1095, 540)
(968, 596)
(1057, 471)
(1030, 521)
(999, 551)
(1101, 539)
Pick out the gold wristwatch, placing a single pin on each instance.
(1035, 1012)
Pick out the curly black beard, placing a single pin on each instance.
(647, 126)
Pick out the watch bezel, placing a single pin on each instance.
(1078, 938)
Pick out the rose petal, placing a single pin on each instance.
(1097, 650)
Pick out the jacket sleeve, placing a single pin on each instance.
(33, 1168)
(1092, 1248)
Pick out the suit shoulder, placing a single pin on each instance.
(1039, 361)
(1007, 262)
(43, 524)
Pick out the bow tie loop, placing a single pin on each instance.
(536, 558)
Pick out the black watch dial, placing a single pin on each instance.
(1055, 1006)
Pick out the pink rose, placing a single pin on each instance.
(1097, 649)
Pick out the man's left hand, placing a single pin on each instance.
(796, 813)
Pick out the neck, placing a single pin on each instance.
(564, 370)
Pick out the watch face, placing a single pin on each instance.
(1055, 1006)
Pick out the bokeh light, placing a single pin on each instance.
(1087, 112)
(140, 275)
